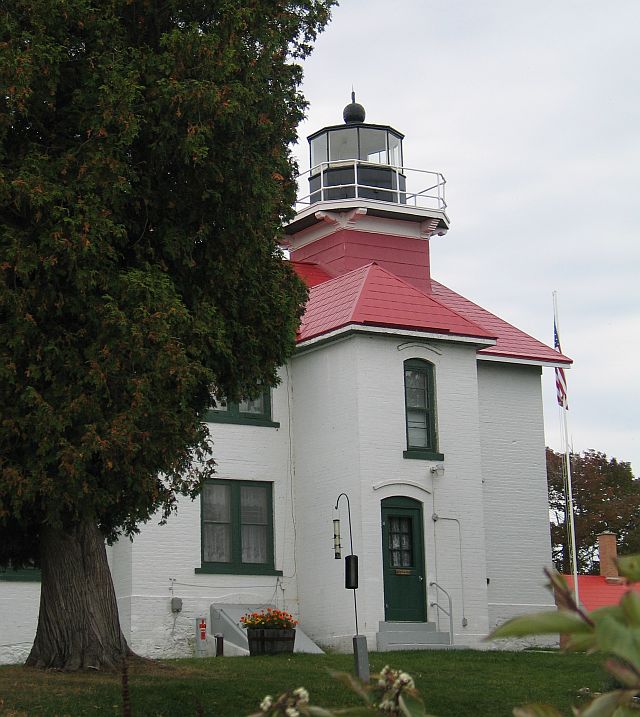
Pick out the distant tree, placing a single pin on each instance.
(145, 174)
(606, 496)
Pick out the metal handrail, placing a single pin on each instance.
(421, 198)
(449, 612)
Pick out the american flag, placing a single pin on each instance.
(561, 380)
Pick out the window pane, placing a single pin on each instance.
(216, 503)
(415, 378)
(373, 147)
(217, 543)
(416, 398)
(343, 144)
(254, 543)
(418, 438)
(395, 157)
(318, 150)
(253, 505)
(252, 405)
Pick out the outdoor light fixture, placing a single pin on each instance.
(437, 471)
(360, 651)
(336, 539)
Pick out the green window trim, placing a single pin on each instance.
(421, 455)
(22, 575)
(420, 411)
(233, 413)
(232, 525)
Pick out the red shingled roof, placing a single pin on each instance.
(310, 273)
(595, 591)
(512, 342)
(380, 298)
(374, 296)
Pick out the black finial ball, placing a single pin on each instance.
(353, 112)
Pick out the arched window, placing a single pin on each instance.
(420, 410)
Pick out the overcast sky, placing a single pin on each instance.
(531, 110)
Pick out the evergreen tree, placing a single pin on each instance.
(145, 174)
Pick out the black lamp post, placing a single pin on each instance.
(360, 652)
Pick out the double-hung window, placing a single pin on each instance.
(420, 410)
(237, 527)
(248, 411)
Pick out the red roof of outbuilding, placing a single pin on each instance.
(594, 590)
(374, 296)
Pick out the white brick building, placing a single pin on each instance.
(422, 407)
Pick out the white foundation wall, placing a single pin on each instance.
(349, 418)
(161, 561)
(516, 505)
(19, 606)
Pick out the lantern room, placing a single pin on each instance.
(359, 167)
(356, 160)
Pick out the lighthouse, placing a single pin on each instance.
(360, 203)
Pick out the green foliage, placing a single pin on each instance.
(392, 693)
(145, 173)
(613, 631)
(606, 497)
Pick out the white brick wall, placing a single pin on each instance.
(349, 418)
(515, 489)
(348, 430)
(19, 604)
(165, 556)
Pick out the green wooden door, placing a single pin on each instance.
(403, 560)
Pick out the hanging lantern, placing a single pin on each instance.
(336, 539)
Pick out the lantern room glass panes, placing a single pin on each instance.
(373, 145)
(395, 150)
(419, 405)
(343, 144)
(400, 543)
(319, 150)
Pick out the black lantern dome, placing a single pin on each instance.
(353, 112)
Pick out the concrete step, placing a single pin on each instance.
(410, 636)
(406, 626)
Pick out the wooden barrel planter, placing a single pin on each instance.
(270, 642)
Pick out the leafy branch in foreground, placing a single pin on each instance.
(612, 630)
(391, 693)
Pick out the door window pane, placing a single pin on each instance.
(400, 542)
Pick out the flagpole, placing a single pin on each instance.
(567, 457)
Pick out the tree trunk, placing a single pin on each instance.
(78, 625)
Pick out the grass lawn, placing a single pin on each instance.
(453, 684)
